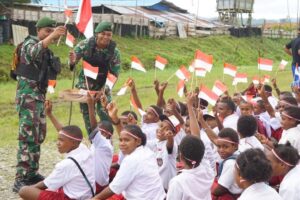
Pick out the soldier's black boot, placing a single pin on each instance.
(18, 184)
(35, 179)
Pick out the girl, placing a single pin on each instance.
(196, 178)
(138, 176)
(252, 170)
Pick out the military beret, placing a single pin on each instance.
(103, 26)
(45, 22)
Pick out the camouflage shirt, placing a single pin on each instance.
(82, 51)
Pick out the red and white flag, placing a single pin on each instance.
(137, 64)
(265, 64)
(219, 88)
(51, 86)
(133, 104)
(248, 98)
(200, 72)
(283, 64)
(266, 79)
(70, 39)
(203, 60)
(240, 78)
(191, 67)
(122, 91)
(183, 74)
(110, 80)
(230, 69)
(180, 88)
(208, 95)
(84, 19)
(89, 70)
(160, 62)
(255, 80)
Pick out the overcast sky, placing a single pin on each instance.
(268, 9)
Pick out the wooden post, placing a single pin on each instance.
(120, 27)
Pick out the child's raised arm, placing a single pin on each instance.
(113, 114)
(134, 94)
(160, 98)
(48, 110)
(209, 132)
(194, 126)
(91, 107)
(170, 142)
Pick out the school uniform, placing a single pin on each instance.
(138, 177)
(179, 136)
(67, 176)
(150, 130)
(231, 121)
(259, 191)
(102, 151)
(210, 153)
(250, 143)
(290, 185)
(273, 101)
(293, 136)
(265, 119)
(192, 184)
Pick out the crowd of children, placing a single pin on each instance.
(245, 148)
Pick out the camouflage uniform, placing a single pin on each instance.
(82, 51)
(32, 120)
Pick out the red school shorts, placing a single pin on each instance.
(50, 195)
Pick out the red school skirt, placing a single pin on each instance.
(50, 195)
(227, 196)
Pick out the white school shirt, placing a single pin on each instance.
(250, 143)
(231, 121)
(266, 120)
(210, 153)
(179, 136)
(150, 130)
(290, 185)
(293, 136)
(166, 162)
(138, 177)
(192, 184)
(102, 151)
(273, 101)
(67, 175)
(259, 191)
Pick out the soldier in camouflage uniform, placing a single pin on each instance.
(33, 73)
(99, 51)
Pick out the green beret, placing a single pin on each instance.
(45, 22)
(103, 26)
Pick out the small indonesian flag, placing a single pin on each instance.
(208, 95)
(110, 80)
(219, 88)
(122, 91)
(133, 104)
(182, 73)
(200, 72)
(180, 88)
(68, 13)
(230, 69)
(191, 67)
(160, 62)
(51, 86)
(265, 64)
(137, 64)
(84, 18)
(89, 70)
(240, 78)
(255, 80)
(248, 98)
(203, 60)
(70, 40)
(266, 79)
(282, 64)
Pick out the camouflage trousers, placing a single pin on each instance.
(32, 132)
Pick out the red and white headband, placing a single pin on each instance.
(131, 134)
(225, 140)
(289, 116)
(105, 131)
(69, 136)
(153, 110)
(281, 160)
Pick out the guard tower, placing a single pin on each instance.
(231, 12)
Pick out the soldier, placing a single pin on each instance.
(37, 66)
(99, 51)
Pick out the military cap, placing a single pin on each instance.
(45, 22)
(103, 26)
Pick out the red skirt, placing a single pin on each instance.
(50, 195)
(227, 196)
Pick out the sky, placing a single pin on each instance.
(267, 9)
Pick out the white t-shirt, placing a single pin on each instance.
(67, 175)
(210, 153)
(250, 143)
(259, 191)
(149, 130)
(231, 121)
(138, 177)
(179, 136)
(165, 161)
(266, 120)
(290, 185)
(293, 136)
(192, 184)
(102, 151)
(273, 101)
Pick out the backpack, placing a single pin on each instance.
(15, 61)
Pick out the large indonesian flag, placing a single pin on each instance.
(265, 64)
(180, 88)
(160, 62)
(84, 19)
(230, 69)
(219, 88)
(183, 74)
(282, 64)
(137, 64)
(208, 95)
(240, 78)
(203, 60)
(70, 40)
(110, 80)
(89, 70)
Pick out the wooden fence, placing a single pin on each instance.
(279, 34)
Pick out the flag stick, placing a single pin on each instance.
(71, 104)
(86, 82)
(154, 73)
(67, 21)
(171, 77)
(192, 80)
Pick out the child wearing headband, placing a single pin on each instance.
(252, 170)
(66, 181)
(138, 176)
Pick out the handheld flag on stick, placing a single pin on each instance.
(110, 80)
(180, 88)
(266, 79)
(219, 88)
(265, 64)
(203, 60)
(51, 86)
(70, 39)
(255, 80)
(84, 19)
(208, 95)
(134, 105)
(137, 64)
(283, 64)
(89, 70)
(183, 74)
(191, 67)
(160, 62)
(230, 69)
(122, 91)
(240, 78)
(200, 72)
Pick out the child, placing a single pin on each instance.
(138, 176)
(226, 111)
(66, 181)
(196, 178)
(252, 170)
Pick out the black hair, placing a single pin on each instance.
(247, 126)
(106, 125)
(203, 103)
(127, 112)
(290, 100)
(73, 130)
(268, 88)
(137, 131)
(293, 112)
(183, 109)
(229, 133)
(286, 94)
(157, 109)
(229, 103)
(261, 104)
(191, 149)
(287, 153)
(246, 102)
(254, 166)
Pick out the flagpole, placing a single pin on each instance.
(67, 21)
(154, 73)
(192, 80)
(171, 77)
